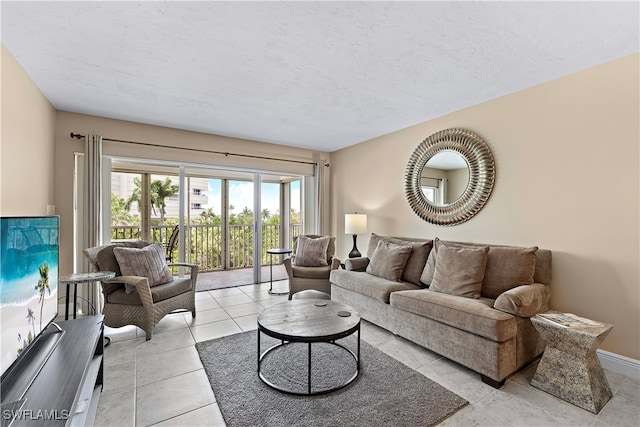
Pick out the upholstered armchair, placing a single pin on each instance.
(143, 291)
(311, 263)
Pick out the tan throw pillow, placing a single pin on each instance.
(459, 271)
(507, 268)
(147, 262)
(388, 260)
(430, 266)
(311, 252)
(416, 262)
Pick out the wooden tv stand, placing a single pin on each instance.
(66, 390)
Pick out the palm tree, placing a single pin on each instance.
(43, 284)
(136, 195)
(32, 319)
(266, 214)
(160, 190)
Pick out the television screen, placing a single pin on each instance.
(28, 282)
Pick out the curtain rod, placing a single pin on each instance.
(200, 150)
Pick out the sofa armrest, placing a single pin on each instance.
(356, 264)
(524, 301)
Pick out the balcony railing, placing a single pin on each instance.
(204, 246)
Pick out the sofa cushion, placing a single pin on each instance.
(158, 293)
(507, 268)
(459, 271)
(148, 262)
(388, 260)
(311, 272)
(468, 314)
(368, 284)
(415, 264)
(311, 252)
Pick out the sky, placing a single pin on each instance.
(241, 196)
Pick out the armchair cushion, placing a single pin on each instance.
(146, 262)
(311, 252)
(312, 272)
(158, 293)
(103, 259)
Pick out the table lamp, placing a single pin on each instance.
(353, 224)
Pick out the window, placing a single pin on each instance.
(197, 191)
(195, 206)
(430, 193)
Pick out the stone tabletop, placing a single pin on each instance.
(87, 277)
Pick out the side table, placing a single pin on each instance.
(569, 368)
(272, 252)
(74, 279)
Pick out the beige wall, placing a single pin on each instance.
(546, 140)
(26, 144)
(123, 130)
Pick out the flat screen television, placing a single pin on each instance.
(29, 255)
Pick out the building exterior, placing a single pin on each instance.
(123, 185)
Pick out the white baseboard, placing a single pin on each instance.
(620, 364)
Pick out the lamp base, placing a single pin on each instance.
(355, 253)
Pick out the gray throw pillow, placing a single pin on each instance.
(459, 271)
(311, 252)
(147, 262)
(388, 260)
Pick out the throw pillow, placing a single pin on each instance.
(507, 268)
(388, 260)
(459, 271)
(147, 262)
(311, 252)
(430, 266)
(417, 259)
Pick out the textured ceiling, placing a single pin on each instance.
(321, 75)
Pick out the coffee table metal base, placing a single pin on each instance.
(355, 356)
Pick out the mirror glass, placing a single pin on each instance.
(445, 178)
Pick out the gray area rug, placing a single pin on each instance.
(386, 393)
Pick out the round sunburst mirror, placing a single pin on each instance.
(449, 177)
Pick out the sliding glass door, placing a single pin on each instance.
(226, 219)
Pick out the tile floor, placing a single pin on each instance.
(162, 382)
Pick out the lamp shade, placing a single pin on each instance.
(355, 223)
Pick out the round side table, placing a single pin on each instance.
(74, 279)
(272, 252)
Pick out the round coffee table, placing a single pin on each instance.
(308, 321)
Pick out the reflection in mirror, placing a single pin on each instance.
(445, 178)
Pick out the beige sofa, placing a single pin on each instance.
(489, 332)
